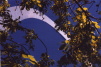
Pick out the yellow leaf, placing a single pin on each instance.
(93, 41)
(78, 17)
(93, 37)
(95, 45)
(79, 50)
(94, 22)
(27, 3)
(1, 8)
(65, 25)
(24, 56)
(32, 58)
(39, 5)
(97, 26)
(85, 8)
(83, 17)
(92, 32)
(81, 25)
(65, 0)
(69, 22)
(68, 33)
(66, 41)
(99, 37)
(34, 63)
(38, 1)
(79, 9)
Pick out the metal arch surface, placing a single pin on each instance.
(24, 14)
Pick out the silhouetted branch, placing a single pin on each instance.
(43, 44)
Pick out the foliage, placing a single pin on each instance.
(74, 19)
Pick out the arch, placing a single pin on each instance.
(24, 14)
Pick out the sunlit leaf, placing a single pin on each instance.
(95, 23)
(69, 22)
(39, 5)
(67, 41)
(32, 58)
(79, 9)
(93, 37)
(1, 8)
(97, 26)
(65, 0)
(38, 1)
(24, 56)
(93, 41)
(95, 45)
(68, 33)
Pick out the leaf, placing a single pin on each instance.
(24, 56)
(94, 22)
(1, 8)
(93, 37)
(78, 17)
(39, 5)
(85, 8)
(79, 9)
(97, 26)
(32, 58)
(93, 41)
(69, 22)
(65, 0)
(83, 17)
(38, 1)
(68, 33)
(66, 41)
(95, 45)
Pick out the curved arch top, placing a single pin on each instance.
(24, 14)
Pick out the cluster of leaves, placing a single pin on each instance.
(40, 5)
(73, 18)
(84, 45)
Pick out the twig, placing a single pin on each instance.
(43, 44)
(19, 44)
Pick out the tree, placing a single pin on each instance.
(74, 19)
